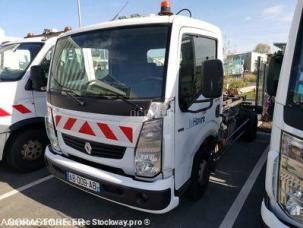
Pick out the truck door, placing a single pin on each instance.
(40, 96)
(194, 120)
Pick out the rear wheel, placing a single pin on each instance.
(25, 151)
(200, 174)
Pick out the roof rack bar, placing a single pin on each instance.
(48, 33)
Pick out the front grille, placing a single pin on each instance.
(98, 149)
(96, 165)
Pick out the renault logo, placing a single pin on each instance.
(88, 148)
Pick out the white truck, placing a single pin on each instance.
(283, 202)
(135, 109)
(22, 109)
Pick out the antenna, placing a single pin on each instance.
(187, 10)
(122, 8)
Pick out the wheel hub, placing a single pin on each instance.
(32, 150)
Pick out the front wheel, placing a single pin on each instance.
(200, 175)
(25, 151)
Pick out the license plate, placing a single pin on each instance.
(83, 182)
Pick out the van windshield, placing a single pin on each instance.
(293, 110)
(15, 59)
(295, 93)
(128, 62)
(296, 82)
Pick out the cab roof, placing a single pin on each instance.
(148, 20)
(31, 40)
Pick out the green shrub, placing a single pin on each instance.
(236, 83)
(251, 95)
(250, 78)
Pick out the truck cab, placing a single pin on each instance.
(282, 205)
(134, 109)
(23, 108)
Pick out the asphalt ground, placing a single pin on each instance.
(233, 198)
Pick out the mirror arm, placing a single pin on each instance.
(210, 101)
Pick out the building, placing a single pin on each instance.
(238, 64)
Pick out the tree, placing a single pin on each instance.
(262, 48)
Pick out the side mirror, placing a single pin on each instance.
(212, 78)
(273, 74)
(38, 79)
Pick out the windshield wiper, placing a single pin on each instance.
(117, 94)
(73, 95)
(127, 101)
(69, 92)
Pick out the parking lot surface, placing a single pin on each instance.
(238, 180)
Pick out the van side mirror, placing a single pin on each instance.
(212, 78)
(273, 74)
(38, 79)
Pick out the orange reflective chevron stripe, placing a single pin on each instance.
(97, 129)
(20, 108)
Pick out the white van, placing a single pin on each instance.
(22, 109)
(283, 203)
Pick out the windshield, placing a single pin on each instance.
(295, 94)
(293, 110)
(128, 62)
(15, 59)
(296, 82)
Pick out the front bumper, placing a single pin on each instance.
(157, 197)
(270, 219)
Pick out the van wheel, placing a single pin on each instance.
(25, 151)
(200, 176)
(251, 128)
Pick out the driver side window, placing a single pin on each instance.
(45, 64)
(195, 50)
(186, 73)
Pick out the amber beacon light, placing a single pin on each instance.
(165, 8)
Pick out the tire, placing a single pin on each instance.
(25, 151)
(200, 175)
(251, 128)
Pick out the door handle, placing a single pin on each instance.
(181, 129)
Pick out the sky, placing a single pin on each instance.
(244, 23)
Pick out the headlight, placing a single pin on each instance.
(51, 133)
(290, 193)
(149, 149)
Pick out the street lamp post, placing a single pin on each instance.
(79, 13)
